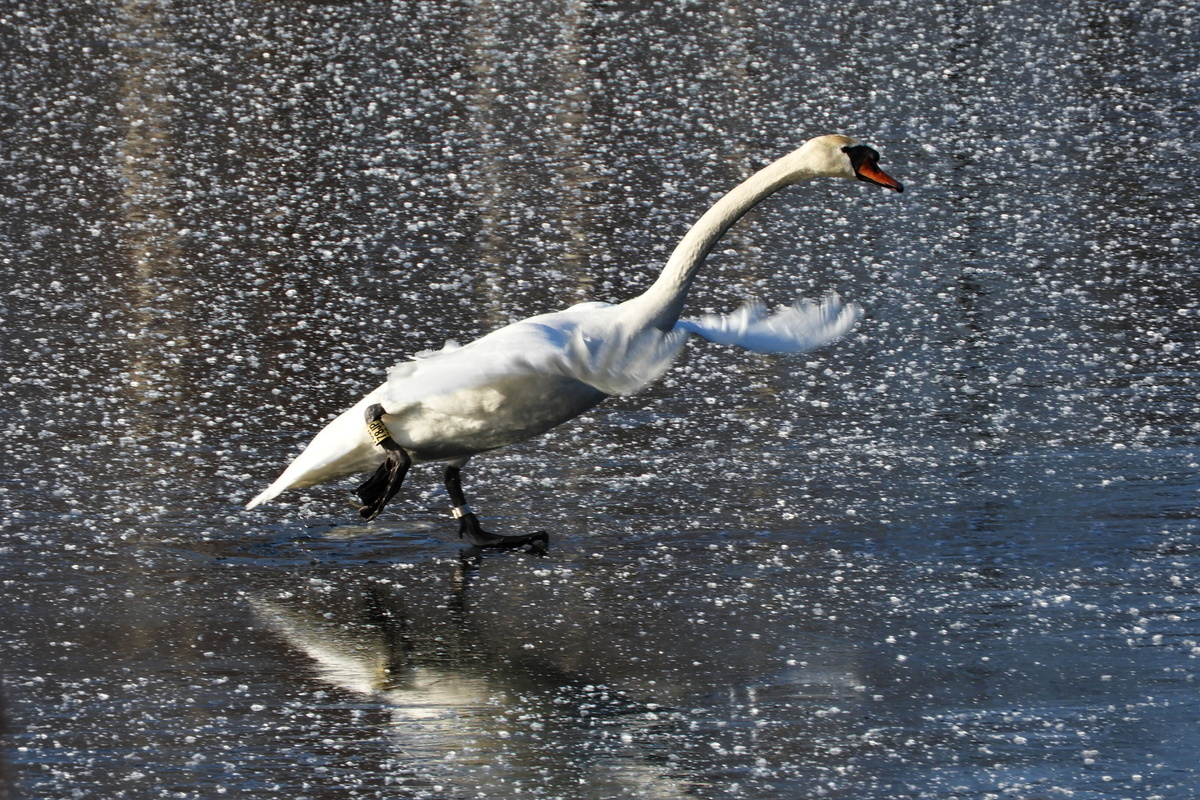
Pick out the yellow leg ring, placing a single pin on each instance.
(378, 431)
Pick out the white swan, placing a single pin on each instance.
(528, 377)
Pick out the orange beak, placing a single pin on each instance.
(865, 161)
(870, 172)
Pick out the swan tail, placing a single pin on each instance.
(266, 496)
(343, 447)
(802, 326)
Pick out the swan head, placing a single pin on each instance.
(839, 156)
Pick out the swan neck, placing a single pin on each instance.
(663, 301)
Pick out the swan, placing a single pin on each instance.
(525, 378)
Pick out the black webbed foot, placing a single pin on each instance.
(470, 530)
(377, 490)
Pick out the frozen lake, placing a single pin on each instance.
(954, 555)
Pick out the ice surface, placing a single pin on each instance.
(952, 555)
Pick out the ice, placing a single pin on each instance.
(951, 555)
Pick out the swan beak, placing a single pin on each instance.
(865, 162)
(870, 172)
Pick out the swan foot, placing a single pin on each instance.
(377, 490)
(470, 530)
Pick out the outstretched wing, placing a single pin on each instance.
(582, 343)
(802, 326)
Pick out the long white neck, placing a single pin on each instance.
(661, 304)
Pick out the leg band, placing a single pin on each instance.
(378, 431)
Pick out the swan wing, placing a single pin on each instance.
(619, 362)
(583, 343)
(523, 351)
(804, 325)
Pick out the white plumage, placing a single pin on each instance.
(528, 377)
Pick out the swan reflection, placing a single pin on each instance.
(476, 720)
(595, 677)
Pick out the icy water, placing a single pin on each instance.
(955, 555)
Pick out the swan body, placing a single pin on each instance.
(528, 377)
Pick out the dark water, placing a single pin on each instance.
(956, 555)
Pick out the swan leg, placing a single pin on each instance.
(381, 487)
(470, 529)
